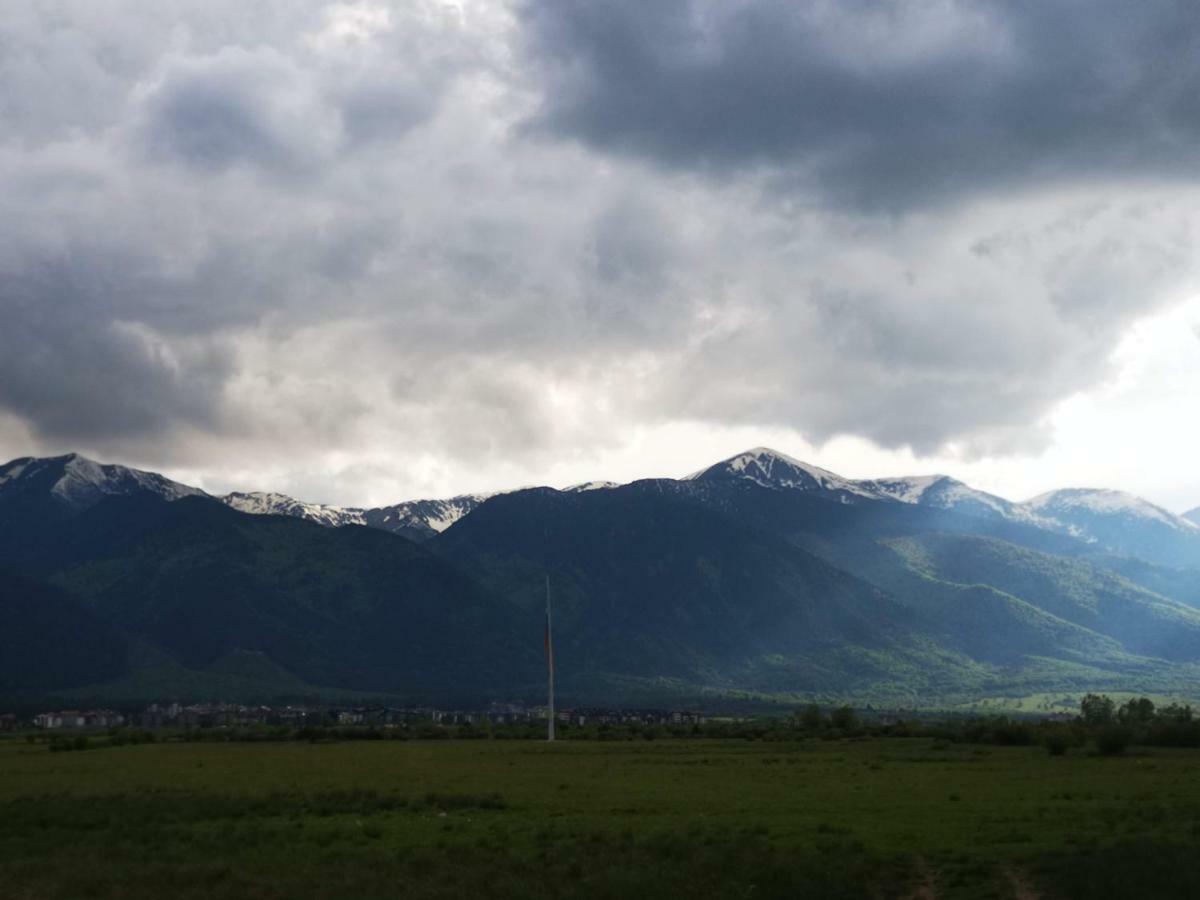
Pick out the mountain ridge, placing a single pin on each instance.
(1112, 522)
(760, 575)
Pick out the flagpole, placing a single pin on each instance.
(549, 662)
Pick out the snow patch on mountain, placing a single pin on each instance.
(903, 490)
(259, 503)
(418, 519)
(943, 492)
(590, 486)
(12, 471)
(424, 517)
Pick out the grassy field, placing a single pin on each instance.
(874, 818)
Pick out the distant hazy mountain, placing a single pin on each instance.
(943, 492)
(1123, 524)
(1193, 515)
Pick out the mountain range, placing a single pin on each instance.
(760, 576)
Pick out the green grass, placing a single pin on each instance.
(593, 819)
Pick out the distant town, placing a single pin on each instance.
(229, 715)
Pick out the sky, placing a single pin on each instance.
(365, 252)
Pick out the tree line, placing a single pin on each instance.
(1102, 726)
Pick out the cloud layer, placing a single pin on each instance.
(304, 238)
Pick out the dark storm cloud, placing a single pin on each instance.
(879, 103)
(76, 373)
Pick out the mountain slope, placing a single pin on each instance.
(1074, 591)
(353, 608)
(48, 639)
(648, 586)
(982, 617)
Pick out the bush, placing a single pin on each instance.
(809, 718)
(1013, 734)
(844, 718)
(1113, 740)
(1057, 742)
(66, 744)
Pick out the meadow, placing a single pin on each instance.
(880, 817)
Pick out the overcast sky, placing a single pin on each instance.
(364, 252)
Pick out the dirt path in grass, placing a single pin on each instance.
(927, 887)
(1022, 888)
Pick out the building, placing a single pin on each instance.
(74, 718)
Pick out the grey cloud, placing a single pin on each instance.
(384, 109)
(878, 103)
(238, 106)
(321, 242)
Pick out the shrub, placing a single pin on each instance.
(844, 718)
(1013, 734)
(1057, 742)
(1113, 740)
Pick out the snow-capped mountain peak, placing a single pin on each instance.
(772, 469)
(78, 482)
(1104, 503)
